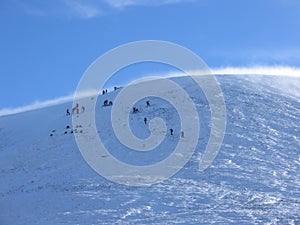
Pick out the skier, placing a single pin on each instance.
(135, 110)
(171, 131)
(83, 109)
(182, 134)
(68, 113)
(145, 120)
(105, 103)
(75, 109)
(148, 103)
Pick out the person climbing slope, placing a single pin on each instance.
(68, 113)
(171, 131)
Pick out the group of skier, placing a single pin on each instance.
(75, 109)
(109, 103)
(135, 110)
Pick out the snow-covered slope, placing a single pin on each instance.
(255, 178)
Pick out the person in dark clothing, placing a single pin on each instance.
(171, 131)
(148, 103)
(145, 120)
(135, 110)
(68, 113)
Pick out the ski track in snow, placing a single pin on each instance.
(255, 178)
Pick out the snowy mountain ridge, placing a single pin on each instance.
(253, 180)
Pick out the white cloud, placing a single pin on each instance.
(84, 9)
(260, 70)
(289, 87)
(47, 103)
(125, 3)
(251, 70)
(36, 105)
(280, 55)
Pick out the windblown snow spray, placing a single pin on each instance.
(103, 68)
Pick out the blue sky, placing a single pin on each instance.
(46, 46)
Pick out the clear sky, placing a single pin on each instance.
(45, 46)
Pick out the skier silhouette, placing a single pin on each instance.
(171, 131)
(75, 109)
(145, 120)
(68, 113)
(182, 134)
(135, 110)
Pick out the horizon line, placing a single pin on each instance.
(239, 71)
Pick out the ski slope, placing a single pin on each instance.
(255, 178)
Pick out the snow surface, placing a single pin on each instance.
(255, 179)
